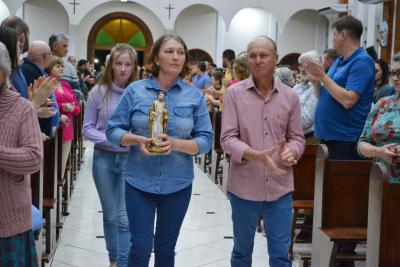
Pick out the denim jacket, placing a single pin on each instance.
(188, 118)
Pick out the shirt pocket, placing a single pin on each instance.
(183, 121)
(140, 120)
(20, 192)
(278, 126)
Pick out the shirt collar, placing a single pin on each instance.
(153, 84)
(351, 57)
(251, 85)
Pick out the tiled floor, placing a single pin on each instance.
(202, 240)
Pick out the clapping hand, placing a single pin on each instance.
(265, 157)
(288, 156)
(68, 107)
(314, 69)
(40, 90)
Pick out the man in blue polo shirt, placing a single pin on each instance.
(201, 80)
(345, 92)
(344, 95)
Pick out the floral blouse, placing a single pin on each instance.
(383, 127)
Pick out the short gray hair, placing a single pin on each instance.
(285, 75)
(56, 37)
(5, 66)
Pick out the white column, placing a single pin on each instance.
(72, 34)
(219, 40)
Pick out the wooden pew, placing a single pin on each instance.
(50, 196)
(64, 185)
(79, 135)
(340, 207)
(303, 195)
(383, 243)
(37, 200)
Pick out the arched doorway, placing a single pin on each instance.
(197, 55)
(290, 60)
(115, 28)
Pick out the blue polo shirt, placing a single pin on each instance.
(201, 81)
(332, 121)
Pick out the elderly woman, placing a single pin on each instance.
(380, 138)
(67, 104)
(20, 154)
(160, 183)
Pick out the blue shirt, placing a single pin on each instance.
(201, 81)
(188, 118)
(32, 72)
(332, 121)
(18, 80)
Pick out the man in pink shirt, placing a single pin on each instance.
(262, 130)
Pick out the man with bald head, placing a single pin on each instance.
(37, 61)
(262, 131)
(32, 68)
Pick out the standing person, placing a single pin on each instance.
(344, 95)
(20, 155)
(228, 56)
(109, 159)
(22, 29)
(328, 57)
(35, 63)
(261, 129)
(201, 80)
(160, 184)
(67, 104)
(59, 43)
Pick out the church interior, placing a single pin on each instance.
(350, 202)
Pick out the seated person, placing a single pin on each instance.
(380, 138)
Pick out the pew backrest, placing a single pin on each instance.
(345, 190)
(304, 174)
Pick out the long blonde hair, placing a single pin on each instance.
(108, 75)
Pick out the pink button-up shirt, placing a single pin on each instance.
(250, 120)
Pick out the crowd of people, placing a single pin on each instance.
(343, 98)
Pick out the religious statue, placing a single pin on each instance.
(158, 120)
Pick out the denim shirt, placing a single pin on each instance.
(188, 118)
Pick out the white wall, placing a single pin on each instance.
(45, 17)
(197, 25)
(298, 34)
(322, 34)
(4, 11)
(243, 29)
(84, 27)
(220, 42)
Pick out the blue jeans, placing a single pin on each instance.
(110, 185)
(142, 208)
(277, 217)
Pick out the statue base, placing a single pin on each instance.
(153, 148)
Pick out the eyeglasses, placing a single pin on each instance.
(395, 73)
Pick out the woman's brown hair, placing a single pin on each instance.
(155, 69)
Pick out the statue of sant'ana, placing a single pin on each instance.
(158, 120)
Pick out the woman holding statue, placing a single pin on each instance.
(159, 170)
